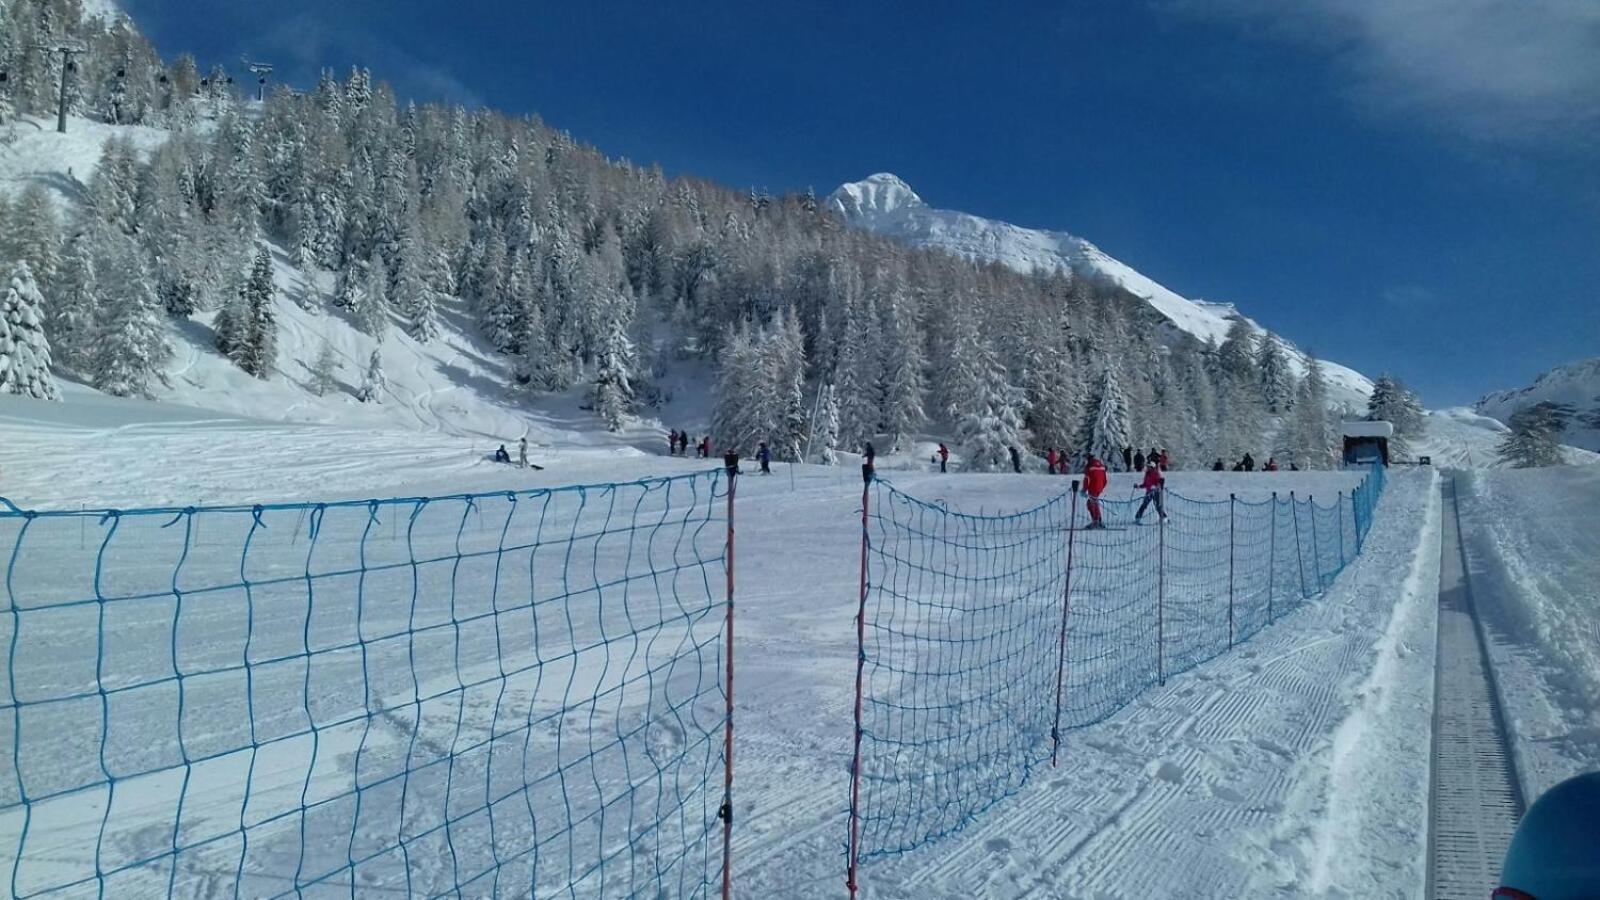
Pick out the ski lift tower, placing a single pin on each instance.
(66, 48)
(261, 70)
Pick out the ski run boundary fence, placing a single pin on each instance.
(982, 638)
(530, 692)
(480, 695)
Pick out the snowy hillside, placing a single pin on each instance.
(885, 204)
(1574, 386)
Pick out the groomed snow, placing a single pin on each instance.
(1293, 765)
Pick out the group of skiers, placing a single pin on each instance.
(678, 445)
(1095, 478)
(1248, 464)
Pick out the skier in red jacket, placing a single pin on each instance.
(1094, 482)
(1153, 485)
(1050, 460)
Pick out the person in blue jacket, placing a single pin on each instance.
(764, 456)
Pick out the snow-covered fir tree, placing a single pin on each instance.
(32, 233)
(1392, 402)
(373, 383)
(372, 303)
(324, 370)
(1277, 381)
(826, 437)
(24, 350)
(990, 424)
(1311, 433)
(1534, 438)
(613, 382)
(903, 387)
(74, 304)
(130, 343)
(1105, 430)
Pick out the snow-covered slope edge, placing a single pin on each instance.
(1575, 387)
(885, 204)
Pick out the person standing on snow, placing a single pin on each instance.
(1127, 459)
(764, 456)
(1050, 460)
(522, 453)
(1218, 466)
(1153, 484)
(944, 457)
(1016, 460)
(1166, 461)
(1271, 466)
(1249, 462)
(1094, 483)
(1138, 461)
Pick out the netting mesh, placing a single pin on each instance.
(489, 695)
(984, 637)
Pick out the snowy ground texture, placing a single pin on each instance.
(1533, 555)
(1294, 764)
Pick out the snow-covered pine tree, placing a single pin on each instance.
(613, 382)
(130, 343)
(33, 233)
(260, 351)
(372, 303)
(787, 365)
(414, 295)
(1311, 434)
(990, 423)
(903, 381)
(324, 370)
(1392, 402)
(858, 379)
(733, 415)
(1055, 390)
(1533, 440)
(373, 384)
(1105, 430)
(347, 288)
(826, 437)
(24, 350)
(74, 301)
(1277, 381)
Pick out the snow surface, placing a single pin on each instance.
(885, 204)
(1533, 555)
(1576, 385)
(1294, 765)
(1458, 438)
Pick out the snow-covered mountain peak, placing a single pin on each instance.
(1574, 388)
(875, 195)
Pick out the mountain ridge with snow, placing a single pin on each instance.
(1574, 388)
(885, 204)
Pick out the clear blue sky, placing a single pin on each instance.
(1405, 185)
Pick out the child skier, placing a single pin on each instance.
(1153, 484)
(944, 457)
(1094, 483)
(522, 453)
(764, 456)
(501, 456)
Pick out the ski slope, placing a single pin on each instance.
(1293, 765)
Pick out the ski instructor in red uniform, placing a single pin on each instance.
(1094, 482)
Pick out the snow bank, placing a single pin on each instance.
(1533, 554)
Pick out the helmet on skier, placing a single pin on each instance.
(1554, 850)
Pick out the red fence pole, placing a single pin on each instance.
(1231, 500)
(1161, 596)
(727, 775)
(854, 850)
(1066, 607)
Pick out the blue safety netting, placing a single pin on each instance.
(506, 694)
(985, 637)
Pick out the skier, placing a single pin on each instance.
(1166, 461)
(1138, 461)
(683, 442)
(672, 442)
(522, 453)
(1218, 465)
(870, 454)
(1249, 462)
(1094, 482)
(1153, 485)
(1271, 466)
(705, 447)
(764, 456)
(501, 456)
(944, 457)
(1293, 467)
(1050, 460)
(1239, 466)
(1016, 460)
(1127, 459)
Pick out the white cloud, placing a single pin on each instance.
(1526, 71)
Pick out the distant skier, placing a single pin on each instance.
(1271, 466)
(705, 447)
(1293, 467)
(1239, 466)
(1016, 460)
(870, 455)
(672, 442)
(1249, 462)
(764, 456)
(522, 453)
(501, 456)
(1138, 461)
(1094, 483)
(1218, 466)
(1050, 460)
(1127, 459)
(944, 457)
(1153, 484)
(1166, 461)
(683, 442)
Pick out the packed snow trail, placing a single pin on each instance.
(1475, 801)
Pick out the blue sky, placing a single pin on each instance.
(1404, 185)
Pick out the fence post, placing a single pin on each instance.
(1066, 608)
(1316, 548)
(726, 813)
(1231, 500)
(1272, 557)
(1294, 512)
(1342, 561)
(853, 852)
(1161, 597)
